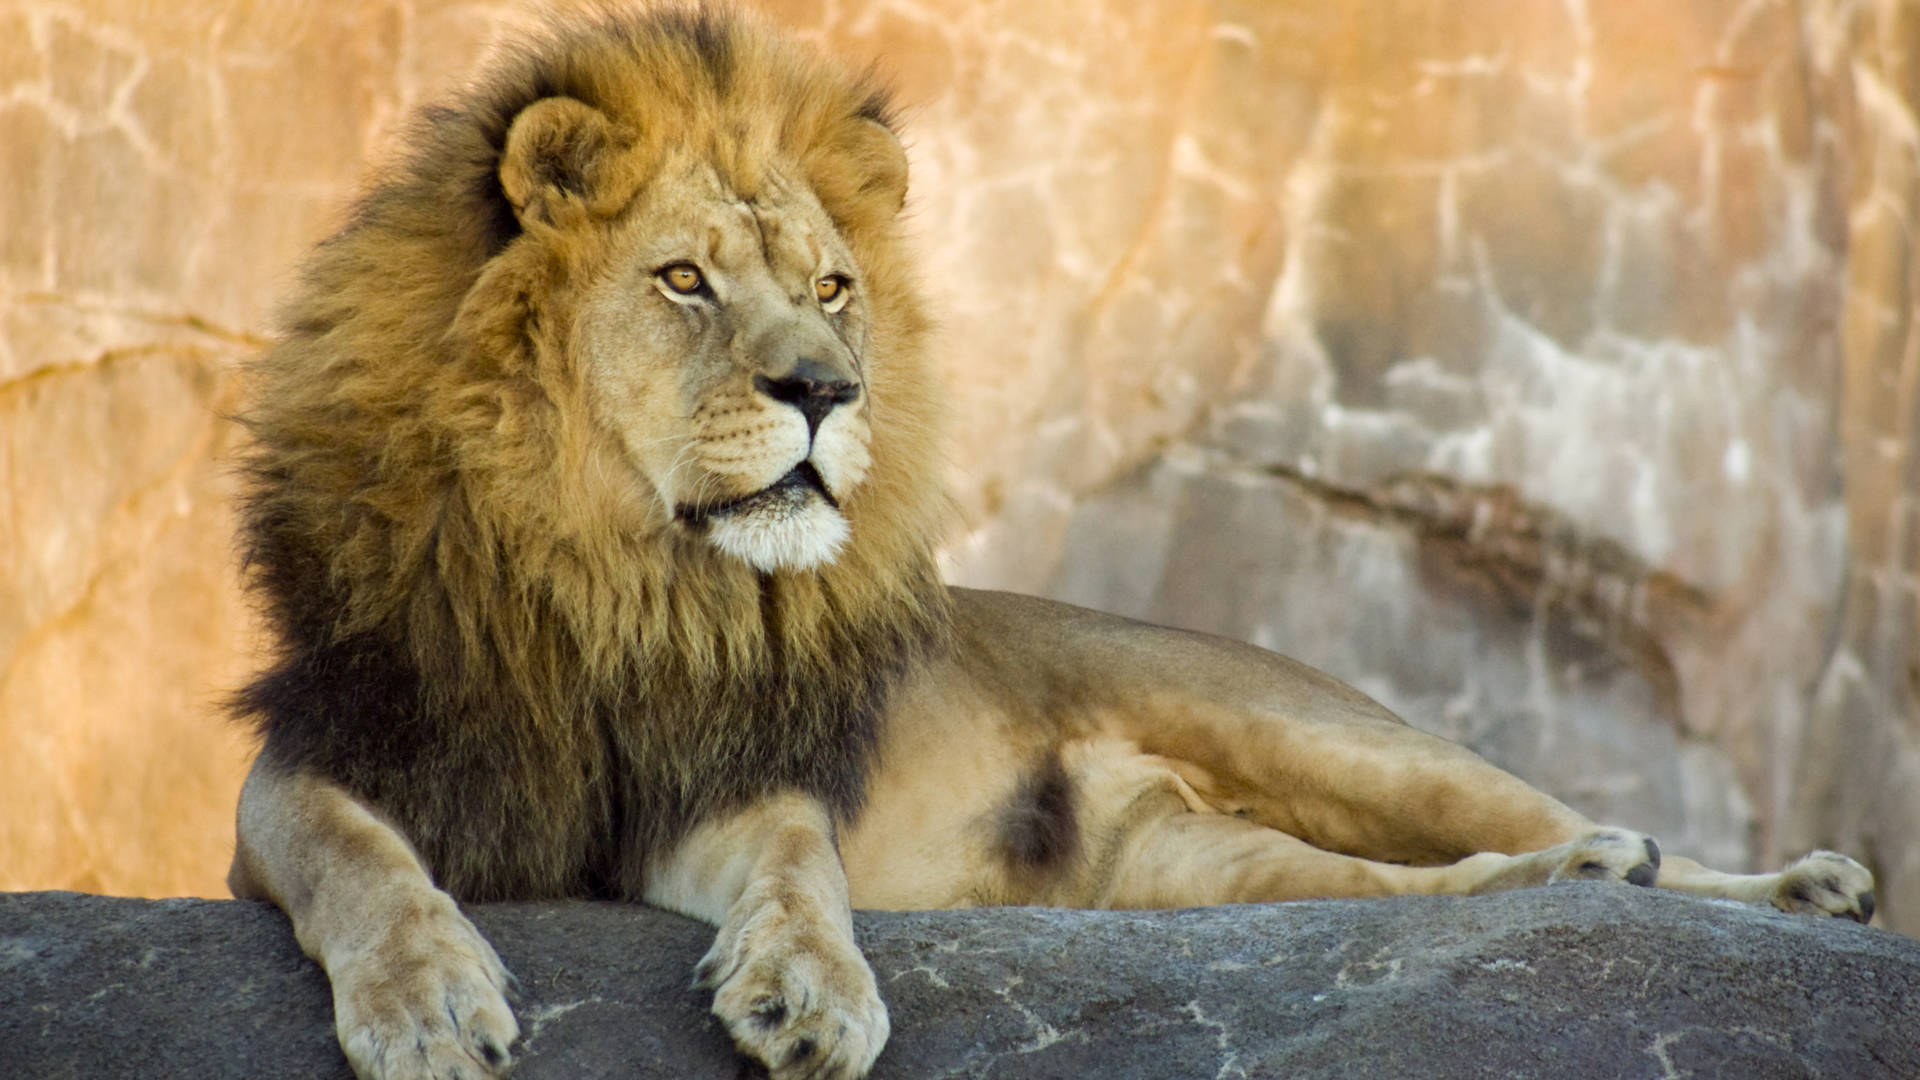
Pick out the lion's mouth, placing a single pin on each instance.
(790, 492)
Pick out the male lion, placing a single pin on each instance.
(592, 502)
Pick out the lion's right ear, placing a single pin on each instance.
(561, 152)
(860, 174)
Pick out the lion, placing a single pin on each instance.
(591, 500)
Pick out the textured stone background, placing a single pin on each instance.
(1547, 369)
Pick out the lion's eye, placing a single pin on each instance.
(683, 278)
(830, 288)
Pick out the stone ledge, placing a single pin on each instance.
(1566, 982)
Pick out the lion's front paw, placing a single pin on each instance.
(796, 995)
(424, 1000)
(1825, 883)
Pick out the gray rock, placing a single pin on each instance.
(1565, 982)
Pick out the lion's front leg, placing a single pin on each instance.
(789, 982)
(418, 994)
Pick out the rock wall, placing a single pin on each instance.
(1550, 373)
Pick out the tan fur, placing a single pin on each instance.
(591, 585)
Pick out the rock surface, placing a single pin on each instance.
(1570, 982)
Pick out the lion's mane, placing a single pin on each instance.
(538, 698)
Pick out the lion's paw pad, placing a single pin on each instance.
(1826, 883)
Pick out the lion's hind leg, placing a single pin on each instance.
(1187, 859)
(1186, 838)
(1154, 841)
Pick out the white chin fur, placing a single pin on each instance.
(778, 537)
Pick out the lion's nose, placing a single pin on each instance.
(810, 387)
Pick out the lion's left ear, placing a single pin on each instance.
(861, 176)
(560, 153)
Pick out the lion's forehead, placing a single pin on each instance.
(776, 234)
(788, 235)
(778, 224)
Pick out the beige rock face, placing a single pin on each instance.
(1551, 376)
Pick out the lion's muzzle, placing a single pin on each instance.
(795, 521)
(812, 387)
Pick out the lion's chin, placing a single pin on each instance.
(793, 524)
(791, 531)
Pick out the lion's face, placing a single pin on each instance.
(700, 291)
(722, 346)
